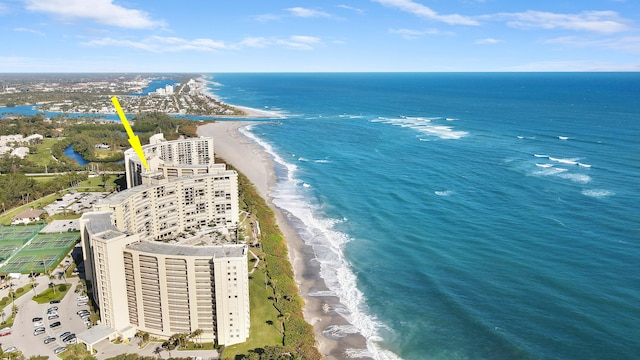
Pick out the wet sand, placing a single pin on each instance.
(249, 158)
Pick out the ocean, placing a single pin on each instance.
(464, 215)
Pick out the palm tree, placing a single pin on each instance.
(196, 334)
(51, 284)
(33, 285)
(158, 351)
(12, 294)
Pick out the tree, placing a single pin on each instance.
(157, 351)
(12, 294)
(197, 333)
(33, 282)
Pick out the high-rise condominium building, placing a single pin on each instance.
(142, 276)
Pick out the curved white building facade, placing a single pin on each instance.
(142, 283)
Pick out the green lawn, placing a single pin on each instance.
(48, 295)
(36, 204)
(261, 333)
(43, 156)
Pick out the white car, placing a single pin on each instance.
(10, 349)
(58, 350)
(38, 324)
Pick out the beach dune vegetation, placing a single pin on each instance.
(298, 340)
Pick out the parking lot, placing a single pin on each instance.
(76, 202)
(22, 333)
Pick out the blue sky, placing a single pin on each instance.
(312, 36)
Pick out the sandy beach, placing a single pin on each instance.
(249, 158)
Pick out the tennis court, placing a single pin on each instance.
(13, 237)
(42, 253)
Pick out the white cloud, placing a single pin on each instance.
(266, 17)
(629, 44)
(359, 11)
(488, 41)
(161, 44)
(102, 11)
(29, 31)
(299, 42)
(415, 34)
(577, 65)
(4, 9)
(426, 12)
(256, 42)
(606, 22)
(307, 13)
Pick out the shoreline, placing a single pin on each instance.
(319, 311)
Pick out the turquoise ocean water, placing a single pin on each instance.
(464, 216)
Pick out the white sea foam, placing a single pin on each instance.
(444, 192)
(322, 293)
(563, 137)
(573, 161)
(597, 193)
(541, 156)
(339, 331)
(579, 178)
(544, 165)
(425, 126)
(322, 161)
(318, 232)
(550, 171)
(306, 185)
(584, 165)
(358, 353)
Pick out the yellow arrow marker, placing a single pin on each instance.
(133, 139)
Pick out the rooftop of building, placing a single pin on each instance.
(216, 252)
(99, 224)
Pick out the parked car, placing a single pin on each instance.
(53, 316)
(55, 324)
(49, 339)
(71, 339)
(38, 324)
(59, 350)
(83, 303)
(53, 308)
(54, 302)
(39, 331)
(5, 331)
(10, 349)
(65, 334)
(35, 319)
(80, 312)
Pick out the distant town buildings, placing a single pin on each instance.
(158, 256)
(167, 90)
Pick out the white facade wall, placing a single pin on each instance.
(143, 284)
